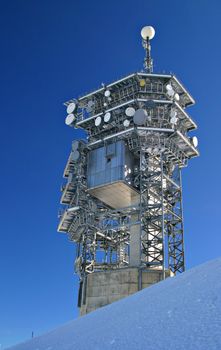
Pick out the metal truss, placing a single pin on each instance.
(103, 234)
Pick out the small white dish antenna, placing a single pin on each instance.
(130, 111)
(98, 121)
(140, 116)
(169, 87)
(71, 107)
(105, 104)
(147, 32)
(195, 141)
(107, 93)
(173, 113)
(170, 93)
(173, 120)
(176, 97)
(69, 120)
(107, 117)
(126, 123)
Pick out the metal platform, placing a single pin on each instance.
(116, 195)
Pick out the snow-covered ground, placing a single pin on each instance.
(183, 312)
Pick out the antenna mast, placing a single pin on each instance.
(147, 34)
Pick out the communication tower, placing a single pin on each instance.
(123, 191)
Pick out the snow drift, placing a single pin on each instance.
(183, 312)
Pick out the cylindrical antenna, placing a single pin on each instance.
(147, 34)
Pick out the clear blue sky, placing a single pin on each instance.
(55, 50)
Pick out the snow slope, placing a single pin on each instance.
(183, 312)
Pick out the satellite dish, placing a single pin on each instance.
(173, 113)
(105, 104)
(75, 156)
(130, 111)
(98, 121)
(170, 93)
(140, 116)
(147, 32)
(71, 107)
(107, 117)
(150, 104)
(90, 106)
(142, 83)
(177, 96)
(194, 141)
(126, 123)
(169, 87)
(107, 93)
(173, 120)
(75, 145)
(69, 120)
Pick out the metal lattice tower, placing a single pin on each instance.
(123, 190)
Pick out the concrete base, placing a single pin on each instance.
(102, 288)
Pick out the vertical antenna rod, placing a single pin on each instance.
(147, 34)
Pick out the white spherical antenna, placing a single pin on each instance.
(107, 117)
(130, 111)
(195, 141)
(71, 107)
(126, 123)
(177, 96)
(98, 121)
(69, 120)
(107, 93)
(140, 116)
(147, 32)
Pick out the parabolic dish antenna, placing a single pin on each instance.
(69, 120)
(130, 111)
(107, 117)
(71, 107)
(142, 83)
(140, 116)
(75, 145)
(90, 106)
(173, 120)
(126, 123)
(169, 87)
(75, 156)
(195, 141)
(150, 104)
(170, 93)
(173, 113)
(147, 32)
(107, 93)
(98, 121)
(177, 96)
